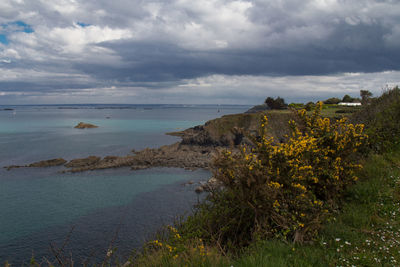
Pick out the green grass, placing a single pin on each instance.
(365, 232)
(336, 111)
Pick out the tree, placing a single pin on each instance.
(309, 106)
(365, 96)
(348, 99)
(332, 100)
(278, 103)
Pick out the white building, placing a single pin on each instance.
(349, 104)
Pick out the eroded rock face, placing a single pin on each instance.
(83, 125)
(232, 130)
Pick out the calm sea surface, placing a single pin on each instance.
(40, 206)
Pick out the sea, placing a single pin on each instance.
(44, 212)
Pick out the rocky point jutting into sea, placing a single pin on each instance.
(195, 150)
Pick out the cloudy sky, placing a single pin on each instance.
(203, 51)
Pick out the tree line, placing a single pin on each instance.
(279, 102)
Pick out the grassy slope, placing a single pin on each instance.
(277, 121)
(365, 233)
(278, 125)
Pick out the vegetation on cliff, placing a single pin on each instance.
(298, 202)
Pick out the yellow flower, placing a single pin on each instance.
(274, 184)
(299, 186)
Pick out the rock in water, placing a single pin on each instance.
(83, 125)
(199, 190)
(48, 163)
(78, 163)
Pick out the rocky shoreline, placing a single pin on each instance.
(197, 149)
(175, 155)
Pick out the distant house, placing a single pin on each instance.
(349, 104)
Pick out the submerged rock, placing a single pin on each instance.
(83, 125)
(10, 167)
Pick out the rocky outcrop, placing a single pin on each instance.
(175, 155)
(83, 162)
(48, 163)
(83, 125)
(225, 131)
(232, 130)
(40, 164)
(258, 108)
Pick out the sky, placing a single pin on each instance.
(196, 52)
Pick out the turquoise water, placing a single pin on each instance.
(40, 206)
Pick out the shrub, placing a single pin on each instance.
(309, 106)
(381, 118)
(332, 100)
(296, 105)
(283, 189)
(277, 103)
(175, 249)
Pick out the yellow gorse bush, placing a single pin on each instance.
(290, 187)
(176, 249)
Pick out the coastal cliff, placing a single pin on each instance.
(231, 130)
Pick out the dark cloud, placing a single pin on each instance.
(350, 49)
(78, 45)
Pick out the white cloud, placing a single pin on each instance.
(251, 33)
(253, 89)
